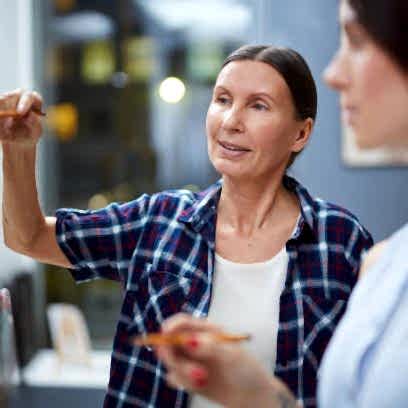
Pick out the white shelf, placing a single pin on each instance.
(45, 370)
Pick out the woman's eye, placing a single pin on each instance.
(222, 100)
(356, 38)
(260, 106)
(356, 41)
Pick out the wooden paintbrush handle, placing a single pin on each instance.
(12, 113)
(163, 339)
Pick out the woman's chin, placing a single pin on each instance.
(368, 142)
(231, 170)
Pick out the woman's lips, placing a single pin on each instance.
(229, 150)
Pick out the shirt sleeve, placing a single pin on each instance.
(100, 244)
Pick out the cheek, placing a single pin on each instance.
(379, 91)
(274, 137)
(211, 123)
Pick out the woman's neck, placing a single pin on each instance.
(251, 206)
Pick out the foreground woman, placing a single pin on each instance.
(366, 364)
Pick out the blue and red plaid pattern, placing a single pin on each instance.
(161, 248)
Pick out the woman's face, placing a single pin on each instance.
(373, 89)
(251, 125)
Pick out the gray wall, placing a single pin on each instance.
(378, 196)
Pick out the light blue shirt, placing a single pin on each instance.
(366, 363)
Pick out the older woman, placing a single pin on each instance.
(366, 364)
(254, 252)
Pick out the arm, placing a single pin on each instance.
(26, 230)
(372, 257)
(223, 372)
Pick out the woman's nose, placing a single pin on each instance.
(335, 74)
(233, 120)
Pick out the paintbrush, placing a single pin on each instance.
(181, 339)
(12, 113)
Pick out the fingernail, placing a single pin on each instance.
(21, 104)
(199, 383)
(199, 377)
(198, 374)
(193, 342)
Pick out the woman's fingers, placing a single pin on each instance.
(185, 373)
(192, 378)
(20, 100)
(25, 129)
(184, 322)
(182, 371)
(201, 345)
(29, 100)
(9, 100)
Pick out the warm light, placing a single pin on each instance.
(62, 119)
(98, 62)
(172, 90)
(64, 5)
(97, 201)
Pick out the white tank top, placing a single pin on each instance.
(245, 299)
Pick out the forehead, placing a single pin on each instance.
(347, 14)
(252, 77)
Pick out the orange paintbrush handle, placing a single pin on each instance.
(14, 114)
(162, 339)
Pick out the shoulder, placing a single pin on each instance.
(172, 201)
(326, 208)
(372, 257)
(341, 221)
(324, 215)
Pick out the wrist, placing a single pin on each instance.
(259, 393)
(17, 160)
(11, 147)
(270, 393)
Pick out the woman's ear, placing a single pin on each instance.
(303, 135)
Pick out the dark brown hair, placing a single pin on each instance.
(386, 21)
(294, 70)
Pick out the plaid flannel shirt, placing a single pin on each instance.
(161, 248)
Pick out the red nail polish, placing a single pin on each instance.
(199, 383)
(193, 342)
(199, 375)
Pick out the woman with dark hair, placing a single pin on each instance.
(254, 252)
(366, 363)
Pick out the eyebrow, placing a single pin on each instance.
(251, 96)
(352, 26)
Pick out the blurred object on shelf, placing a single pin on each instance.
(9, 371)
(46, 370)
(81, 26)
(59, 64)
(97, 201)
(204, 60)
(138, 56)
(69, 334)
(62, 119)
(98, 62)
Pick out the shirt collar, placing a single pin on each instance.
(308, 207)
(202, 213)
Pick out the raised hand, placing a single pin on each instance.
(23, 129)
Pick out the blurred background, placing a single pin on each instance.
(126, 85)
